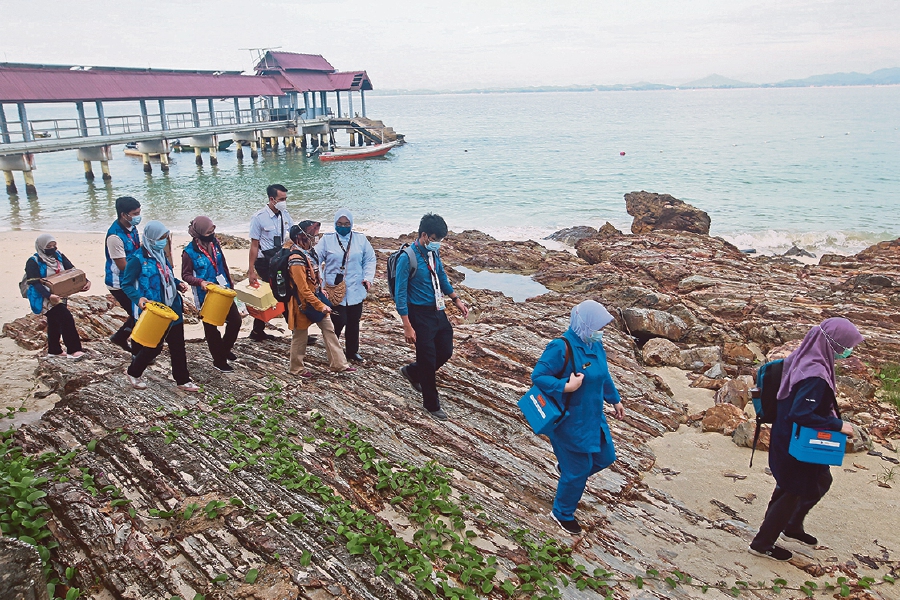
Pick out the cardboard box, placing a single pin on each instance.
(66, 283)
(268, 314)
(260, 298)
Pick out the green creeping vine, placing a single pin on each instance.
(441, 559)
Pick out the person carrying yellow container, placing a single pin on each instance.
(149, 278)
(203, 264)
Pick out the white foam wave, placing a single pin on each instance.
(817, 242)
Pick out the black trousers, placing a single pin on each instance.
(262, 271)
(434, 347)
(220, 346)
(61, 324)
(349, 317)
(786, 512)
(121, 336)
(177, 354)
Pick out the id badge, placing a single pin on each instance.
(220, 279)
(439, 302)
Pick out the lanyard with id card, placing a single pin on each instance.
(431, 263)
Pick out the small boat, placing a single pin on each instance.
(133, 151)
(177, 146)
(353, 153)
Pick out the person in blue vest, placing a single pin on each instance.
(582, 442)
(48, 260)
(122, 240)
(348, 257)
(149, 276)
(806, 397)
(203, 263)
(419, 299)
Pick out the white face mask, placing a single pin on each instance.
(281, 205)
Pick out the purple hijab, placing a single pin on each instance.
(815, 356)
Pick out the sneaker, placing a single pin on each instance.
(224, 367)
(261, 336)
(190, 386)
(415, 384)
(356, 358)
(137, 383)
(231, 356)
(775, 552)
(802, 537)
(438, 414)
(311, 340)
(76, 355)
(60, 355)
(571, 526)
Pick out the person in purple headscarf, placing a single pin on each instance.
(806, 397)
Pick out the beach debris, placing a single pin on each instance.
(747, 498)
(860, 467)
(796, 251)
(734, 476)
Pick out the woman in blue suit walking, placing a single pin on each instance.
(582, 442)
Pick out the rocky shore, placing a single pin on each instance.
(264, 486)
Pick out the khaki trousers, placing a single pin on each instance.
(337, 362)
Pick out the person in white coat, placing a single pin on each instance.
(349, 257)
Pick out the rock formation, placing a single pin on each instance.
(652, 212)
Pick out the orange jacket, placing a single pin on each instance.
(306, 281)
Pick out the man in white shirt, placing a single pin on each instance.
(269, 229)
(122, 240)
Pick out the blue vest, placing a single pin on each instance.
(205, 270)
(150, 286)
(35, 300)
(132, 245)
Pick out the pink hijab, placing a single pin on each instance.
(815, 356)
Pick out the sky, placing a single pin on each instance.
(470, 44)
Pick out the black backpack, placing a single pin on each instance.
(765, 396)
(279, 273)
(392, 265)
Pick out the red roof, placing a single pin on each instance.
(298, 81)
(293, 61)
(41, 83)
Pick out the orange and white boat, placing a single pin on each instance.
(354, 153)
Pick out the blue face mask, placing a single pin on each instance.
(433, 246)
(160, 244)
(342, 231)
(597, 336)
(846, 353)
(135, 220)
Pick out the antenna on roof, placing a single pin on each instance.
(259, 53)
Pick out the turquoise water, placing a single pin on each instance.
(814, 166)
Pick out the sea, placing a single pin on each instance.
(814, 167)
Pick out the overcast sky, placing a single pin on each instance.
(462, 44)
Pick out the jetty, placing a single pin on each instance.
(288, 98)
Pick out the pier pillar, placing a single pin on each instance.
(195, 114)
(198, 158)
(82, 121)
(212, 113)
(240, 150)
(88, 171)
(350, 102)
(303, 143)
(237, 111)
(10, 183)
(4, 127)
(163, 120)
(30, 190)
(213, 156)
(352, 138)
(23, 120)
(93, 153)
(274, 143)
(145, 157)
(359, 138)
(362, 100)
(104, 167)
(145, 117)
(163, 163)
(338, 94)
(101, 117)
(253, 153)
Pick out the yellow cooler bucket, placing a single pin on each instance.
(216, 305)
(153, 324)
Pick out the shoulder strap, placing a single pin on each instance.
(566, 396)
(413, 263)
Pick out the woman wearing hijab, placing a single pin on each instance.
(203, 263)
(305, 279)
(48, 260)
(149, 276)
(582, 441)
(806, 397)
(348, 257)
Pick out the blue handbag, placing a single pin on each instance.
(542, 412)
(820, 447)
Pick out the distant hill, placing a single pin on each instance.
(716, 81)
(881, 77)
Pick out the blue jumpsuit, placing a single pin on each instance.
(582, 441)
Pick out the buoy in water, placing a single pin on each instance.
(621, 154)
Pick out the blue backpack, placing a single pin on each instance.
(765, 396)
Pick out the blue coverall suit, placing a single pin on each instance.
(582, 441)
